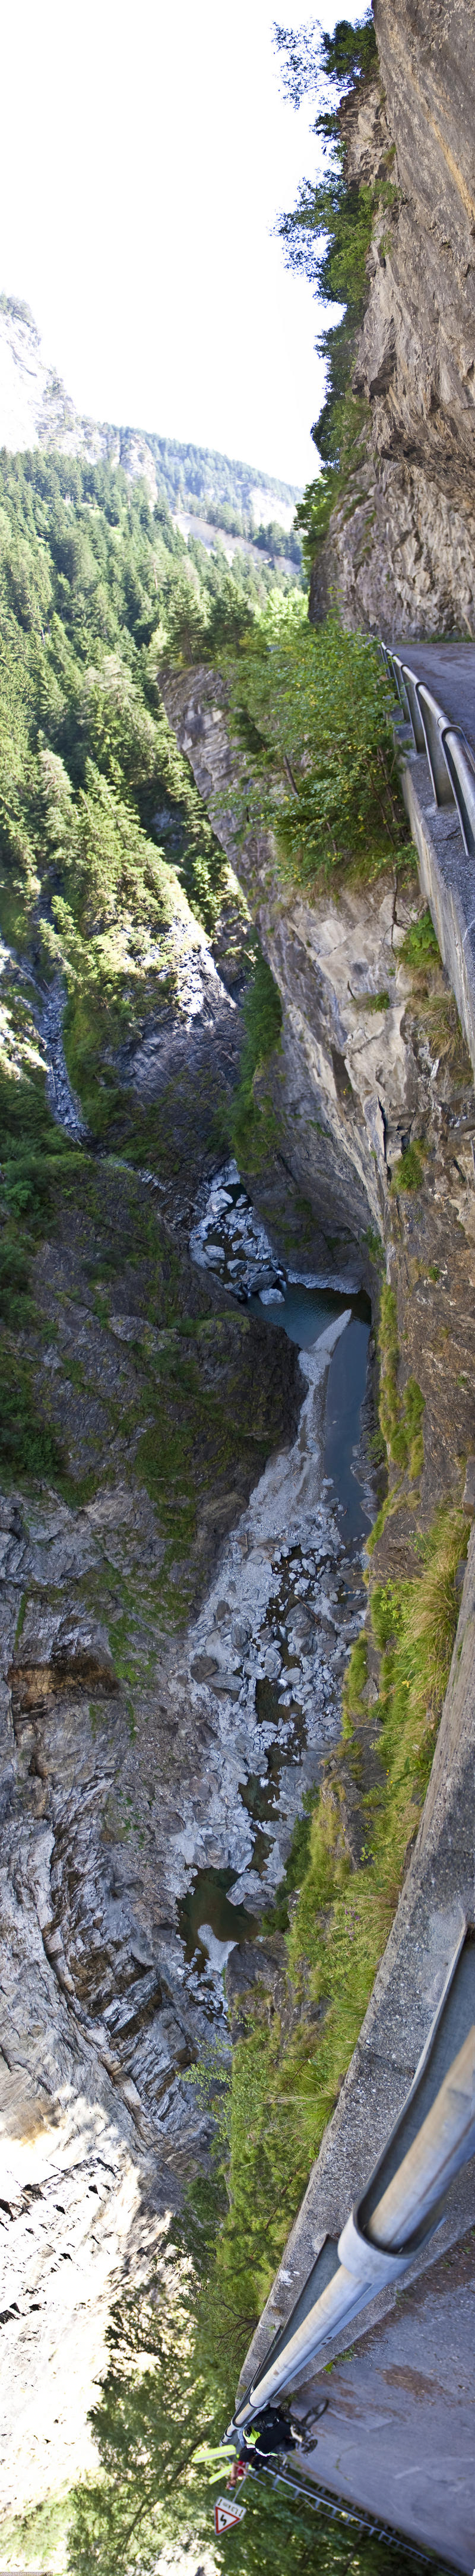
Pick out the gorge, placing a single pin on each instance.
(238, 1431)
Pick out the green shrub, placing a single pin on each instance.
(400, 1415)
(250, 1122)
(409, 1172)
(15, 1304)
(420, 948)
(27, 1446)
(310, 709)
(327, 237)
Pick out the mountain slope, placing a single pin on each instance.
(37, 411)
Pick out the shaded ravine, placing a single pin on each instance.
(272, 1647)
(280, 1665)
(117, 1831)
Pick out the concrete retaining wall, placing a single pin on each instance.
(438, 1896)
(448, 880)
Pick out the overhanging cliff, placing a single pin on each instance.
(400, 553)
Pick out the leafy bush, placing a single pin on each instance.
(310, 709)
(327, 234)
(326, 237)
(409, 1171)
(159, 2425)
(27, 1446)
(420, 948)
(249, 1124)
(401, 1416)
(14, 1282)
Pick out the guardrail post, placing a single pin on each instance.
(434, 719)
(461, 764)
(415, 718)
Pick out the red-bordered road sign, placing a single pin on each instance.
(226, 2514)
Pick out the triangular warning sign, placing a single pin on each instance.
(226, 2513)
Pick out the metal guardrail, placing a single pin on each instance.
(450, 756)
(387, 2228)
(378, 2251)
(339, 2509)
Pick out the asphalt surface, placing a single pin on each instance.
(397, 2437)
(449, 670)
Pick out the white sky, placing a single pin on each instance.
(145, 155)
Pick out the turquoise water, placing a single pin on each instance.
(303, 1312)
(345, 1391)
(208, 1902)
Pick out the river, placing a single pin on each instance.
(275, 1656)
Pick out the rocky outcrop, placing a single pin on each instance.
(371, 1060)
(400, 554)
(119, 1776)
(152, 1714)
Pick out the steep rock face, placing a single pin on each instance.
(347, 1087)
(124, 1753)
(118, 1775)
(369, 1063)
(401, 548)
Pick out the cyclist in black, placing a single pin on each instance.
(268, 2433)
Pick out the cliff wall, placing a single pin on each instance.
(401, 548)
(129, 1635)
(371, 1061)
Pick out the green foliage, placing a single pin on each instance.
(309, 56)
(375, 1246)
(278, 1916)
(159, 2428)
(14, 1281)
(414, 1625)
(356, 1676)
(437, 1011)
(420, 948)
(328, 233)
(310, 709)
(327, 236)
(37, 2537)
(401, 1416)
(33, 1151)
(91, 775)
(409, 1171)
(148, 2422)
(209, 616)
(339, 479)
(27, 1447)
(219, 488)
(250, 1123)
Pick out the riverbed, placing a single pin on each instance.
(272, 1643)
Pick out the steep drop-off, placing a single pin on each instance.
(147, 1514)
(400, 553)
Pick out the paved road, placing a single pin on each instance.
(398, 2434)
(449, 670)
